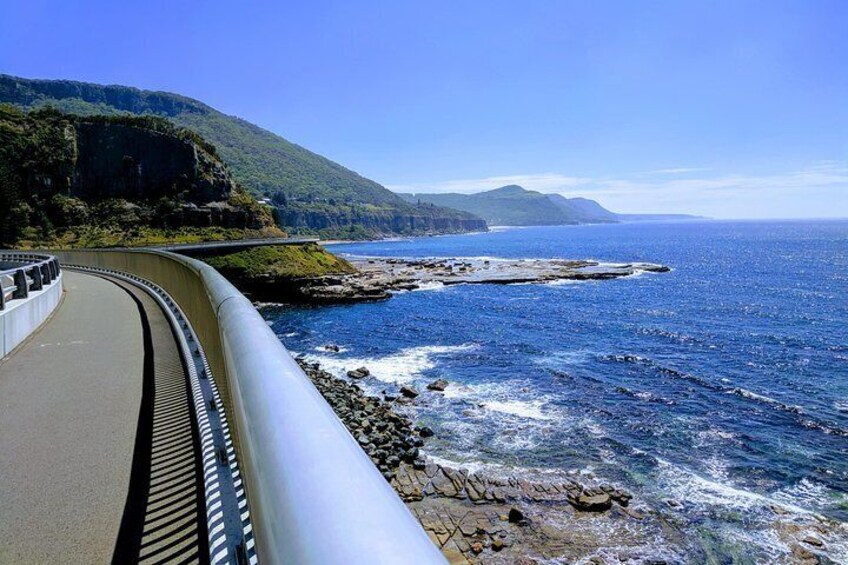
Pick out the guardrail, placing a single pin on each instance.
(314, 495)
(34, 272)
(30, 290)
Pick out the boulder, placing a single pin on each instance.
(516, 516)
(359, 373)
(408, 392)
(438, 385)
(591, 502)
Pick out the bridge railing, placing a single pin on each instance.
(30, 271)
(314, 495)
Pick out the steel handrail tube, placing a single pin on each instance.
(314, 496)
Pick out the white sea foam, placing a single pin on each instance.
(402, 367)
(430, 285)
(684, 484)
(559, 359)
(564, 282)
(805, 492)
(515, 442)
(521, 408)
(504, 397)
(323, 349)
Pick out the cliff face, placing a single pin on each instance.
(123, 161)
(59, 171)
(346, 221)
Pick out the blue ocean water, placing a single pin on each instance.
(722, 385)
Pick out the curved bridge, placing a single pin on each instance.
(154, 417)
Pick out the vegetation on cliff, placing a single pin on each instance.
(68, 180)
(312, 193)
(281, 261)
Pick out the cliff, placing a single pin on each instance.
(61, 173)
(352, 221)
(316, 194)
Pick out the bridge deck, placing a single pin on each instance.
(96, 441)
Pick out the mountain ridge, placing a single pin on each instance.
(316, 194)
(513, 205)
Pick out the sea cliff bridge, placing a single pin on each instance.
(148, 414)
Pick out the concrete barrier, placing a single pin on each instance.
(20, 317)
(314, 495)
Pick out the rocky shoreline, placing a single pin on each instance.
(377, 278)
(477, 517)
(509, 517)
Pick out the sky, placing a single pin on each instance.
(730, 109)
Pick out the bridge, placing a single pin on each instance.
(232, 246)
(148, 414)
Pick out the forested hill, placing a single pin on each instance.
(312, 192)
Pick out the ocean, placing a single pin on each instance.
(713, 392)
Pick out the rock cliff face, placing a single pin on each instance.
(121, 173)
(380, 221)
(131, 162)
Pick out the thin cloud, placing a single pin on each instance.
(675, 171)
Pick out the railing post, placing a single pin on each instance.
(37, 282)
(21, 290)
(45, 273)
(2, 295)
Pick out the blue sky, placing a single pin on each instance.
(724, 108)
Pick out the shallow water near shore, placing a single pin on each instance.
(714, 392)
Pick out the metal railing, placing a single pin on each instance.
(314, 496)
(31, 272)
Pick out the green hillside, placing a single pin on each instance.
(69, 180)
(319, 195)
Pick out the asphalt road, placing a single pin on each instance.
(70, 459)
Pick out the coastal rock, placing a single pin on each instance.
(591, 503)
(438, 385)
(459, 509)
(378, 278)
(408, 392)
(359, 373)
(515, 516)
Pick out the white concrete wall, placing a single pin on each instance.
(22, 317)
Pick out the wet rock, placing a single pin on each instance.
(359, 373)
(814, 541)
(591, 502)
(516, 516)
(477, 548)
(438, 385)
(802, 556)
(332, 347)
(408, 392)
(425, 431)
